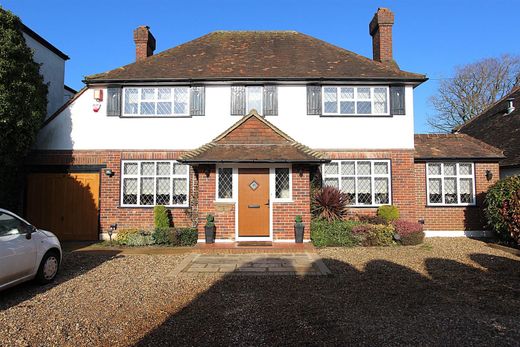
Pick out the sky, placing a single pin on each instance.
(429, 37)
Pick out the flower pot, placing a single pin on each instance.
(298, 232)
(209, 233)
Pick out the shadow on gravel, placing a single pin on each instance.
(73, 265)
(385, 304)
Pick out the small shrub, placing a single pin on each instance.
(162, 236)
(210, 220)
(161, 217)
(141, 238)
(372, 219)
(374, 235)
(410, 233)
(187, 236)
(329, 203)
(298, 219)
(388, 212)
(123, 234)
(499, 193)
(335, 233)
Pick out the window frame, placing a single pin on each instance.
(355, 100)
(290, 198)
(155, 100)
(138, 176)
(234, 182)
(248, 109)
(457, 177)
(356, 176)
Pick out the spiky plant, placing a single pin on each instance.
(329, 203)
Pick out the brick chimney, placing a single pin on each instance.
(144, 43)
(381, 32)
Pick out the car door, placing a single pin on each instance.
(17, 252)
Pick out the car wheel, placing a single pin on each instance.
(48, 267)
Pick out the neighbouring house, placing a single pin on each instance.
(237, 124)
(499, 126)
(52, 68)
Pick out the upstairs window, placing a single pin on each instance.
(450, 183)
(349, 100)
(162, 101)
(263, 99)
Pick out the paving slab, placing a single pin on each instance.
(255, 264)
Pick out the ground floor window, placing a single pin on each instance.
(366, 182)
(149, 183)
(225, 183)
(282, 180)
(450, 183)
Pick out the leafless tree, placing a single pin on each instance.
(473, 88)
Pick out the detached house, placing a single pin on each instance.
(237, 123)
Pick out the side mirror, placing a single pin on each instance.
(30, 229)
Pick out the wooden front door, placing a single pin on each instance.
(253, 202)
(65, 204)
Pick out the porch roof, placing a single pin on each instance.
(253, 140)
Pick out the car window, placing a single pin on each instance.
(10, 225)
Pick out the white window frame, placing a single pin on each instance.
(457, 176)
(234, 182)
(155, 176)
(372, 176)
(355, 100)
(172, 100)
(248, 109)
(273, 183)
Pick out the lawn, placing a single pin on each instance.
(445, 292)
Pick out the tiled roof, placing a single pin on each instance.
(264, 55)
(496, 128)
(453, 146)
(253, 139)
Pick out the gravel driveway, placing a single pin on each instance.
(447, 292)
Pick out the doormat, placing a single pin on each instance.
(254, 244)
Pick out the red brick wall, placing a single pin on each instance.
(454, 218)
(285, 212)
(402, 171)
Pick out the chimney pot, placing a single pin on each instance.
(381, 31)
(144, 43)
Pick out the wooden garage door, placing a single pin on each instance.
(66, 204)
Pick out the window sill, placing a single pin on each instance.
(282, 201)
(452, 205)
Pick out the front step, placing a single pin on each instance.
(254, 244)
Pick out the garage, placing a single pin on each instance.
(65, 203)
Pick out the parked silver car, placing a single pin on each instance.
(26, 252)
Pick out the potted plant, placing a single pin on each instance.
(298, 229)
(209, 229)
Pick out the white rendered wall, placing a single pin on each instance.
(52, 70)
(79, 127)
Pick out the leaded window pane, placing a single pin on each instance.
(254, 98)
(163, 169)
(164, 108)
(131, 100)
(180, 188)
(381, 168)
(330, 98)
(147, 191)
(364, 191)
(348, 168)
(348, 186)
(332, 182)
(380, 100)
(225, 183)
(147, 93)
(364, 107)
(282, 186)
(347, 107)
(450, 169)
(130, 191)
(181, 100)
(434, 169)
(465, 169)
(434, 187)
(164, 94)
(163, 191)
(363, 93)
(331, 168)
(363, 168)
(450, 190)
(130, 168)
(466, 190)
(381, 191)
(347, 93)
(148, 168)
(147, 108)
(180, 169)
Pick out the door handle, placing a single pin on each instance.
(253, 206)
